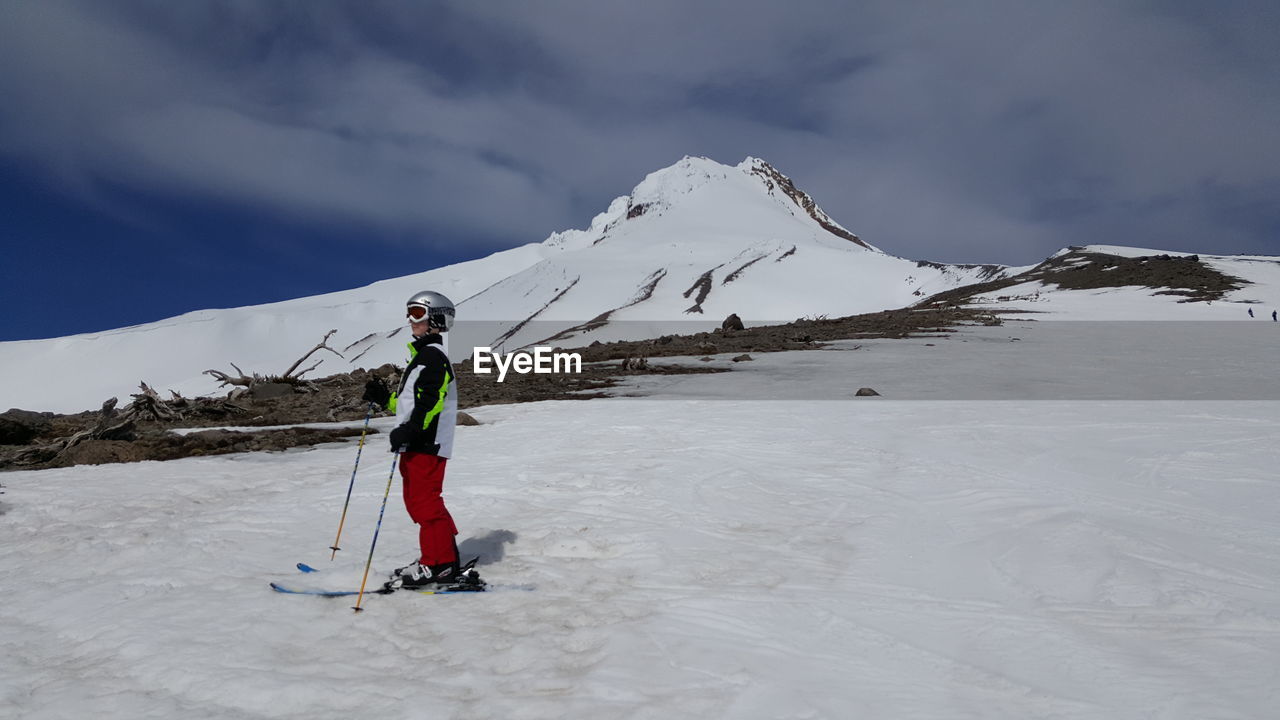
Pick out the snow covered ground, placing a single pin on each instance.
(1019, 360)
(710, 557)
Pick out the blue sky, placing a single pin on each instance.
(160, 157)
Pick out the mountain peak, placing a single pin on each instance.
(715, 186)
(666, 187)
(660, 190)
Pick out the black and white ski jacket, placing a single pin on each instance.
(427, 400)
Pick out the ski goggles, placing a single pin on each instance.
(417, 313)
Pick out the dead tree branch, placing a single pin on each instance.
(149, 403)
(289, 376)
(113, 424)
(323, 345)
(225, 379)
(110, 426)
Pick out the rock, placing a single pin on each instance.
(385, 371)
(30, 417)
(706, 348)
(733, 322)
(264, 391)
(466, 419)
(866, 392)
(126, 431)
(13, 432)
(19, 427)
(706, 358)
(742, 358)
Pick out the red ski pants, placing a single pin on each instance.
(423, 477)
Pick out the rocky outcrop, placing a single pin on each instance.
(703, 287)
(1081, 269)
(774, 179)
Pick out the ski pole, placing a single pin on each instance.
(334, 547)
(395, 459)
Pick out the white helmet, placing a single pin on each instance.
(436, 308)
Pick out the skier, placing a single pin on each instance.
(426, 405)
(1250, 312)
(1273, 316)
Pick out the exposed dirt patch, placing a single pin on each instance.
(510, 333)
(703, 286)
(591, 383)
(1079, 270)
(644, 293)
(167, 446)
(803, 334)
(737, 273)
(338, 397)
(335, 398)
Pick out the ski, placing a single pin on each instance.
(443, 590)
(324, 593)
(383, 590)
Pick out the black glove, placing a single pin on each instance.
(377, 392)
(401, 436)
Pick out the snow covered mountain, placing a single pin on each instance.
(690, 245)
(695, 241)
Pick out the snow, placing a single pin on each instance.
(78, 372)
(703, 219)
(759, 254)
(707, 555)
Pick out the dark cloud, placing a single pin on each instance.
(990, 131)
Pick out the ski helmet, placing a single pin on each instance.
(436, 308)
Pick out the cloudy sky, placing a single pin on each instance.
(159, 157)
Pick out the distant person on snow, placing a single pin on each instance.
(426, 407)
(1273, 316)
(1250, 312)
